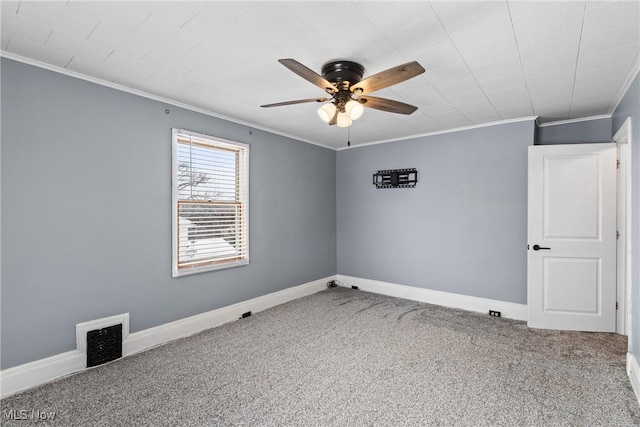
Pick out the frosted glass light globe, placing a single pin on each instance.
(343, 120)
(354, 109)
(326, 112)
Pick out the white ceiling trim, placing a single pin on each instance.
(580, 119)
(631, 76)
(442, 132)
(147, 95)
(633, 72)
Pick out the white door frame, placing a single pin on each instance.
(623, 320)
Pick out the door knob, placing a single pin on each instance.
(538, 247)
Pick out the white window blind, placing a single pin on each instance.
(210, 203)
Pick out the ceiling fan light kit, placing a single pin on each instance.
(344, 121)
(326, 112)
(343, 81)
(354, 109)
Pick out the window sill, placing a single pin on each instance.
(186, 271)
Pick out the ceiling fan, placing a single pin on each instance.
(349, 93)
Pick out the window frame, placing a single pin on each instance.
(242, 201)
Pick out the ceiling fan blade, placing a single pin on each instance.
(389, 77)
(387, 105)
(308, 75)
(297, 101)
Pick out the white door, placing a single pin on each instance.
(571, 266)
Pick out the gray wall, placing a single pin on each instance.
(463, 229)
(86, 212)
(630, 107)
(590, 131)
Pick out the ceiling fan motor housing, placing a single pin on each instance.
(343, 71)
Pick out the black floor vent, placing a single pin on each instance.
(104, 345)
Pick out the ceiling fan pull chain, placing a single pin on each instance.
(349, 136)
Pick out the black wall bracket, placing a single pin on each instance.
(396, 178)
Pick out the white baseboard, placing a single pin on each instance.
(509, 310)
(41, 371)
(633, 370)
(158, 335)
(32, 374)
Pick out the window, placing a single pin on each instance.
(210, 203)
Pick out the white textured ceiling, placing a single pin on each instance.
(485, 61)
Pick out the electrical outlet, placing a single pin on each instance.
(495, 313)
(355, 287)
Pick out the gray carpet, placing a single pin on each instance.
(350, 358)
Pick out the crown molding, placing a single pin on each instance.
(631, 76)
(122, 88)
(442, 132)
(576, 120)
